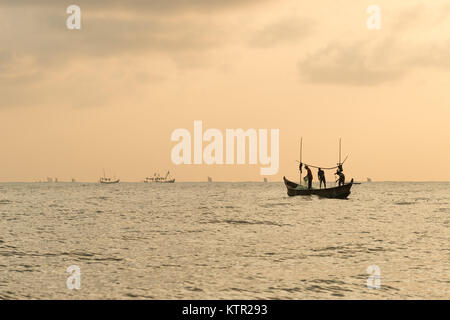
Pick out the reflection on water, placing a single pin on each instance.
(223, 240)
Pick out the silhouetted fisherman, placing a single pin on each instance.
(309, 176)
(341, 177)
(321, 175)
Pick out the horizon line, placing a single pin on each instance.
(214, 181)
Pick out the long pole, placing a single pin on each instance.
(340, 150)
(301, 151)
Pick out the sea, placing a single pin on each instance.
(248, 240)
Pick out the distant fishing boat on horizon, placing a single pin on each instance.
(158, 179)
(209, 179)
(107, 180)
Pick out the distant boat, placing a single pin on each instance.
(294, 189)
(107, 180)
(158, 179)
(369, 180)
(73, 180)
(265, 179)
(209, 179)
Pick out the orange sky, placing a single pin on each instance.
(110, 95)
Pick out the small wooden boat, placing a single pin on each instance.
(294, 189)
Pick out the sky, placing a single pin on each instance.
(108, 96)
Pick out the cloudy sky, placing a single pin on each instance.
(109, 95)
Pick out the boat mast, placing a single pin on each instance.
(301, 151)
(340, 141)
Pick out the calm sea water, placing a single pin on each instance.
(223, 241)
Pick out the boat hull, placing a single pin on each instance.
(166, 181)
(110, 182)
(341, 192)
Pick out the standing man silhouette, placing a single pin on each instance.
(321, 175)
(309, 176)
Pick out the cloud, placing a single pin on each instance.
(409, 18)
(286, 31)
(368, 63)
(137, 5)
(379, 59)
(361, 63)
(37, 30)
(40, 47)
(45, 34)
